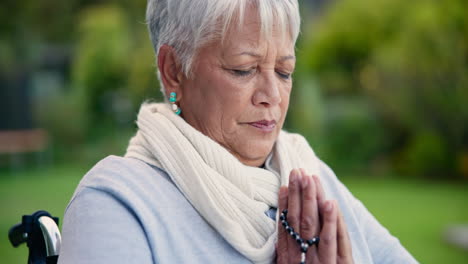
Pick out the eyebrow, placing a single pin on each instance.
(288, 57)
(256, 55)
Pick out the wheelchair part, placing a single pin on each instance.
(42, 236)
(51, 235)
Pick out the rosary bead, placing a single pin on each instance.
(304, 247)
(303, 258)
(299, 240)
(295, 236)
(312, 241)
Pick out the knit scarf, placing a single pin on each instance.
(229, 195)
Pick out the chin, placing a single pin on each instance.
(255, 151)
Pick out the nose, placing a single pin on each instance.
(268, 91)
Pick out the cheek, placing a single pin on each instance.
(284, 105)
(286, 92)
(209, 93)
(233, 98)
(233, 111)
(224, 102)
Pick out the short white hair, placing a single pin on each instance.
(186, 25)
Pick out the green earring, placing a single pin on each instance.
(175, 107)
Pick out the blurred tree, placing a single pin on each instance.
(114, 62)
(101, 55)
(106, 64)
(409, 61)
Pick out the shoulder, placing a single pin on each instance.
(114, 171)
(129, 181)
(104, 214)
(119, 167)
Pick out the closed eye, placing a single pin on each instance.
(285, 76)
(242, 73)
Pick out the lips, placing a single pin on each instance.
(264, 125)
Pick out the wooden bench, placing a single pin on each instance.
(16, 142)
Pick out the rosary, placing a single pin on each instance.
(290, 230)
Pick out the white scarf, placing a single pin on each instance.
(231, 196)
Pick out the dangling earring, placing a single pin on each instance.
(174, 106)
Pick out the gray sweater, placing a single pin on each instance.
(126, 211)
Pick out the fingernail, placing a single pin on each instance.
(299, 175)
(293, 177)
(328, 206)
(283, 192)
(305, 181)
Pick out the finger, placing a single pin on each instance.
(321, 198)
(310, 223)
(282, 244)
(344, 243)
(327, 248)
(294, 211)
(320, 192)
(309, 218)
(294, 199)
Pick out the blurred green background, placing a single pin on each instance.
(380, 91)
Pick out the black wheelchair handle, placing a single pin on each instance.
(41, 234)
(17, 235)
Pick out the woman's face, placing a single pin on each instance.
(239, 92)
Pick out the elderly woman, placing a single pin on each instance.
(210, 177)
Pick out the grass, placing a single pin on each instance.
(415, 211)
(28, 191)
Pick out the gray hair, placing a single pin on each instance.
(186, 25)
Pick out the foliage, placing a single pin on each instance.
(114, 61)
(379, 85)
(105, 66)
(408, 61)
(111, 73)
(65, 116)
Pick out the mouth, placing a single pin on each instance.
(264, 125)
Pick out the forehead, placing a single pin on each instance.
(248, 35)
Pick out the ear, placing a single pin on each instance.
(169, 70)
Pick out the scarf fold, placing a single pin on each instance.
(230, 196)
